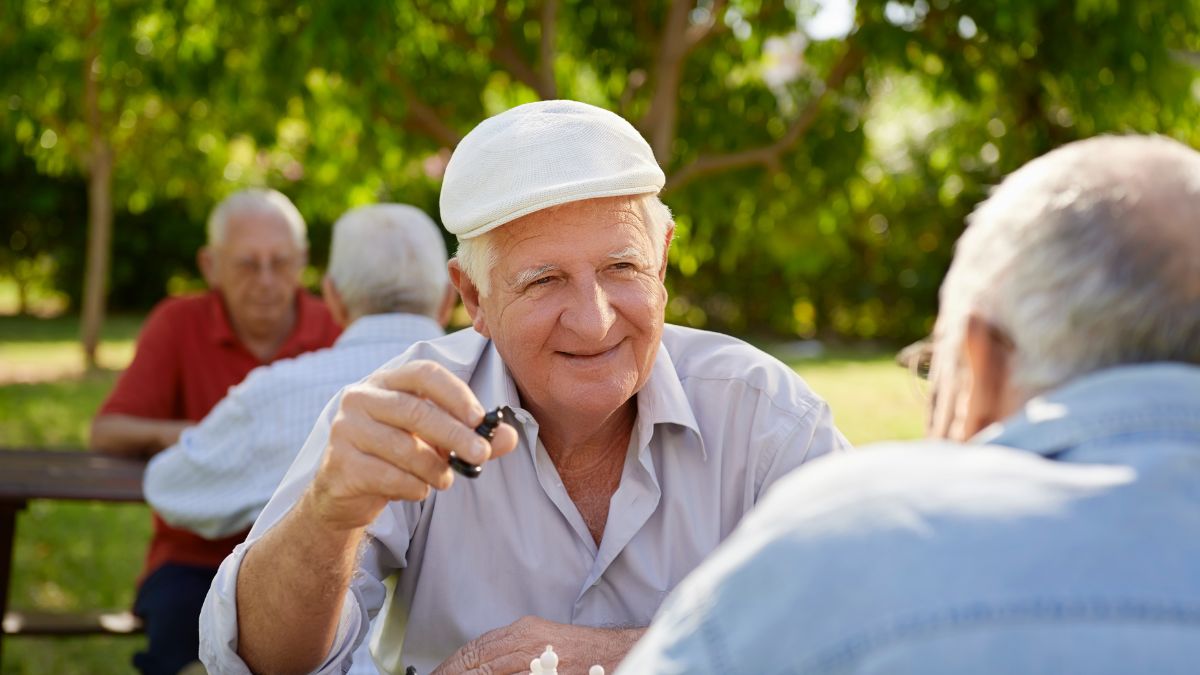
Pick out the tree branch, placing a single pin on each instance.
(548, 51)
(698, 32)
(768, 155)
(505, 53)
(502, 51)
(663, 113)
(419, 115)
(676, 43)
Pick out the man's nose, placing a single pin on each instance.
(269, 272)
(591, 313)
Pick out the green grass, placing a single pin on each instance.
(872, 398)
(87, 556)
(31, 348)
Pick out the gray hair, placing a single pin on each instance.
(253, 201)
(477, 256)
(388, 258)
(1088, 258)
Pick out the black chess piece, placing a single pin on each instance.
(487, 429)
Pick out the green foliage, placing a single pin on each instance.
(842, 229)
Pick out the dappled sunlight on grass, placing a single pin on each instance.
(51, 414)
(36, 350)
(36, 361)
(872, 398)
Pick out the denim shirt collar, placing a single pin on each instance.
(1155, 398)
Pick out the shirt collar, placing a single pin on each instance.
(375, 328)
(661, 400)
(219, 328)
(308, 332)
(1149, 398)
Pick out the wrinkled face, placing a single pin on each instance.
(257, 270)
(576, 306)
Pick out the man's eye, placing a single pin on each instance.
(622, 266)
(541, 282)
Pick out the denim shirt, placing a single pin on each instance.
(1064, 540)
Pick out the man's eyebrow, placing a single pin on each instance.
(628, 252)
(529, 274)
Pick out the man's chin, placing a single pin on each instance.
(592, 399)
(265, 321)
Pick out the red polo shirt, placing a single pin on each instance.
(187, 359)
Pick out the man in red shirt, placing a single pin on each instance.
(191, 350)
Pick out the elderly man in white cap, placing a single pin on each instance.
(638, 446)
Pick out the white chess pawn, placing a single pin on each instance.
(535, 667)
(549, 661)
(596, 670)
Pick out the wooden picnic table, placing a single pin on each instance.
(27, 474)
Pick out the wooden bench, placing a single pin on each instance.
(19, 622)
(27, 474)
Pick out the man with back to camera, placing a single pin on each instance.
(638, 446)
(1054, 528)
(190, 351)
(387, 286)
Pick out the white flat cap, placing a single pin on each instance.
(540, 155)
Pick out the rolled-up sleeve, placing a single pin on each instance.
(212, 479)
(219, 625)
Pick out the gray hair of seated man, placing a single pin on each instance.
(255, 201)
(388, 258)
(1087, 257)
(477, 256)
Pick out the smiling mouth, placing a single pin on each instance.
(590, 356)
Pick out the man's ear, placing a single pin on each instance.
(667, 237)
(470, 296)
(206, 260)
(988, 353)
(446, 310)
(333, 300)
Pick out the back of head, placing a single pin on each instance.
(1088, 258)
(256, 201)
(388, 258)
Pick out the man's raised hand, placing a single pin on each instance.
(391, 438)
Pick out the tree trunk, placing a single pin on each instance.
(99, 248)
(100, 210)
(22, 291)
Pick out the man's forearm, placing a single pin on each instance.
(290, 591)
(134, 436)
(623, 640)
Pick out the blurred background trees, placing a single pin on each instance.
(822, 155)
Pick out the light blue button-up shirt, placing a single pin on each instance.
(1065, 540)
(717, 423)
(219, 475)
